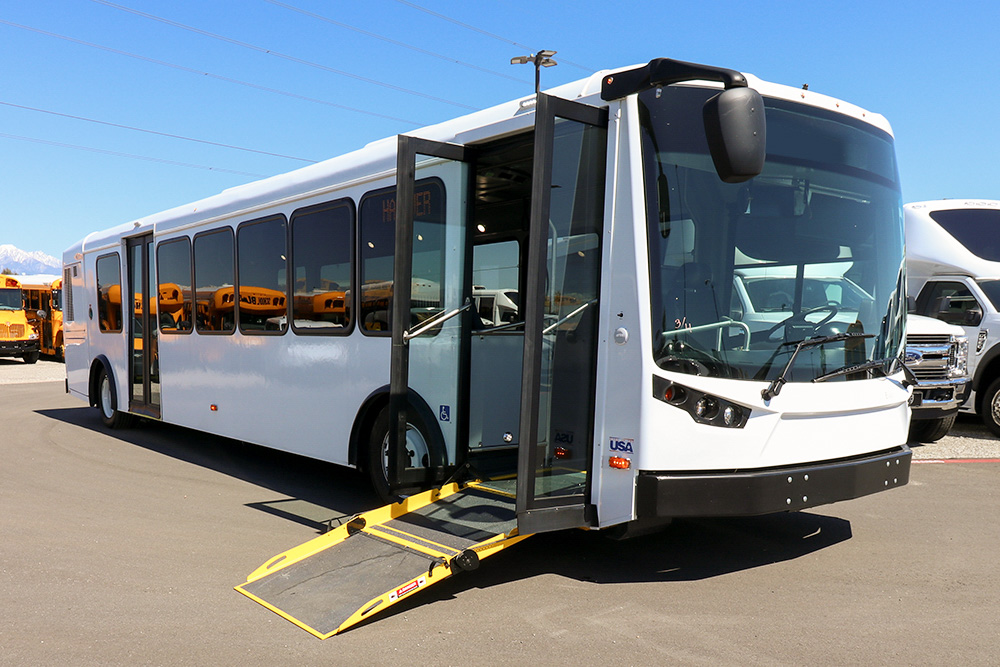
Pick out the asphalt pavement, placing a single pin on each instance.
(123, 547)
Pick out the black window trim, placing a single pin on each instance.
(194, 301)
(194, 288)
(348, 203)
(236, 310)
(97, 285)
(358, 240)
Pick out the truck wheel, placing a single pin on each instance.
(30, 357)
(417, 449)
(930, 430)
(110, 415)
(991, 407)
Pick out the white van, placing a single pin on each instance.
(953, 271)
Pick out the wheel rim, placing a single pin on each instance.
(995, 408)
(106, 408)
(418, 454)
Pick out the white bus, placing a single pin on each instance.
(330, 311)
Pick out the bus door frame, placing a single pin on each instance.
(142, 403)
(537, 511)
(401, 398)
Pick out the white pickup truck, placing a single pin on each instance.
(953, 271)
(937, 354)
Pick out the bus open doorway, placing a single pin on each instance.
(514, 400)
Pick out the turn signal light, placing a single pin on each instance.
(619, 462)
(213, 407)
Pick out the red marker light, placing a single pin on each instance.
(561, 453)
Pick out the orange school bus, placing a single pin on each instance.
(46, 300)
(18, 329)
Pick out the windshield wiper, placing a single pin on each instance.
(911, 379)
(777, 383)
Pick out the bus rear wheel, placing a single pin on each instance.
(111, 416)
(417, 452)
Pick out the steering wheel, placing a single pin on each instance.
(800, 318)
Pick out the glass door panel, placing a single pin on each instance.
(564, 265)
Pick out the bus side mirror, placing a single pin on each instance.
(41, 314)
(736, 132)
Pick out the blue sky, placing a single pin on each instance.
(928, 66)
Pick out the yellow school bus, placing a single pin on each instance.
(18, 328)
(45, 300)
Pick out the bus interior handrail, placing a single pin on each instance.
(434, 321)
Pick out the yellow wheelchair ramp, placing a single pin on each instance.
(380, 557)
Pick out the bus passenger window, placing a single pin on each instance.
(378, 243)
(322, 248)
(109, 293)
(214, 278)
(260, 252)
(173, 267)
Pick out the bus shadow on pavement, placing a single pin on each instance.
(686, 550)
(317, 492)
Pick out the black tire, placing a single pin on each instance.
(30, 357)
(416, 438)
(931, 430)
(111, 416)
(990, 407)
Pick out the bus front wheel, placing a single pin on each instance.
(417, 452)
(111, 416)
(30, 357)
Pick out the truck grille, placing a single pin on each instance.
(929, 356)
(928, 339)
(11, 331)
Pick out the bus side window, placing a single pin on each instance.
(173, 266)
(322, 258)
(214, 280)
(109, 293)
(377, 243)
(262, 275)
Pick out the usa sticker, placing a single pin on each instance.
(408, 588)
(444, 413)
(623, 445)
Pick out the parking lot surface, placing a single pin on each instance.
(123, 547)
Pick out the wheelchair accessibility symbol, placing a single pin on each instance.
(444, 413)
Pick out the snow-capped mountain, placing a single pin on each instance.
(19, 261)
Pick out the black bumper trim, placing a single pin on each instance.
(704, 494)
(17, 347)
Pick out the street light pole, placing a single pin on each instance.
(539, 60)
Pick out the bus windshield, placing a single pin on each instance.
(10, 299)
(811, 247)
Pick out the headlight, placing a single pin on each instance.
(703, 408)
(958, 364)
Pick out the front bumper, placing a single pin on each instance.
(935, 399)
(13, 348)
(753, 492)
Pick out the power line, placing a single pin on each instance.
(130, 155)
(161, 134)
(394, 42)
(209, 74)
(481, 32)
(277, 54)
